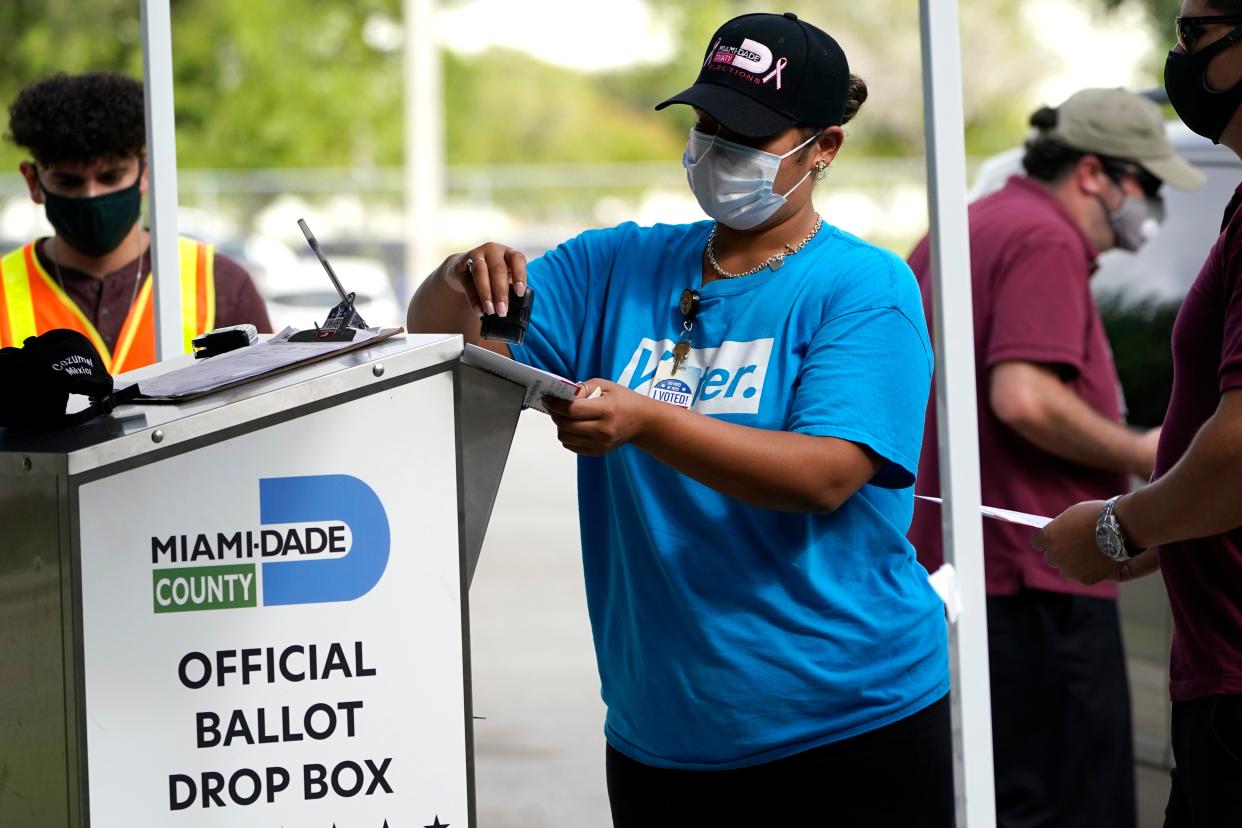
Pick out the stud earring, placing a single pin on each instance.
(820, 167)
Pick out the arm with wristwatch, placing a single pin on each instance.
(1200, 496)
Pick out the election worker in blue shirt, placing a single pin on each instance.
(770, 650)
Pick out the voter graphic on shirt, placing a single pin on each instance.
(749, 431)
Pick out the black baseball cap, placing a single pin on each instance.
(39, 377)
(763, 73)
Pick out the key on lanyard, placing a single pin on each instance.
(688, 304)
(680, 351)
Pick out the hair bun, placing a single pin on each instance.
(1044, 118)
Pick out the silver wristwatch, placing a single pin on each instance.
(1110, 537)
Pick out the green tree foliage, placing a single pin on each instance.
(281, 83)
(44, 36)
(285, 83)
(1160, 12)
(1160, 15)
(271, 83)
(1140, 333)
(508, 116)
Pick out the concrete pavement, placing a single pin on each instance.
(539, 754)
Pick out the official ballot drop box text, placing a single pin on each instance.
(251, 609)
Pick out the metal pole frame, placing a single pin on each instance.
(958, 431)
(424, 140)
(157, 72)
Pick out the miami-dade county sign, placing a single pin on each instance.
(273, 625)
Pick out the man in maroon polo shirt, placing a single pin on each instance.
(1051, 433)
(1193, 510)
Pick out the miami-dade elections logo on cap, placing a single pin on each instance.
(326, 539)
(764, 73)
(750, 57)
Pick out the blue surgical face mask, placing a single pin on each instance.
(733, 182)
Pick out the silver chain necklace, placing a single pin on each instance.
(137, 273)
(774, 261)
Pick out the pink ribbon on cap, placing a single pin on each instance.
(780, 64)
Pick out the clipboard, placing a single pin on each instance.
(228, 370)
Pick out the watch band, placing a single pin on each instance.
(1110, 537)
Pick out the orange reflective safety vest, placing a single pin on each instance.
(31, 302)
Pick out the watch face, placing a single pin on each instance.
(1108, 540)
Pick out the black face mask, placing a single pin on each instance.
(1185, 80)
(96, 225)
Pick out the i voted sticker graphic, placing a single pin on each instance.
(673, 390)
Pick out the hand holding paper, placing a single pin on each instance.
(598, 421)
(1068, 543)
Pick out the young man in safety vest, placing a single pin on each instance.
(86, 137)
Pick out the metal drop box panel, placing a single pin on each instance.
(130, 612)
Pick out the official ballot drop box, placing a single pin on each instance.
(251, 609)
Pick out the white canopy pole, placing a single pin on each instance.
(424, 140)
(157, 81)
(955, 409)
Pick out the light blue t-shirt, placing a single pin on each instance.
(727, 634)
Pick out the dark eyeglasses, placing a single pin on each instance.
(1190, 29)
(1114, 169)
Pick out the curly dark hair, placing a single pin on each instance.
(854, 99)
(79, 118)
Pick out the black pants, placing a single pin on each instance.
(899, 776)
(1060, 712)
(1207, 753)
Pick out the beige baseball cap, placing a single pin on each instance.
(1124, 126)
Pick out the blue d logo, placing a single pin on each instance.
(336, 497)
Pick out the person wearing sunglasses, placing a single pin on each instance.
(1188, 521)
(770, 651)
(1051, 433)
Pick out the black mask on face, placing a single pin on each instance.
(1185, 80)
(98, 224)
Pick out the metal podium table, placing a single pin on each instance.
(251, 609)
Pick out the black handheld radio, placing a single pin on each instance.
(342, 320)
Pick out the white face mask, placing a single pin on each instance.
(1136, 221)
(732, 182)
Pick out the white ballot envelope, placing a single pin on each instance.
(1007, 515)
(538, 383)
